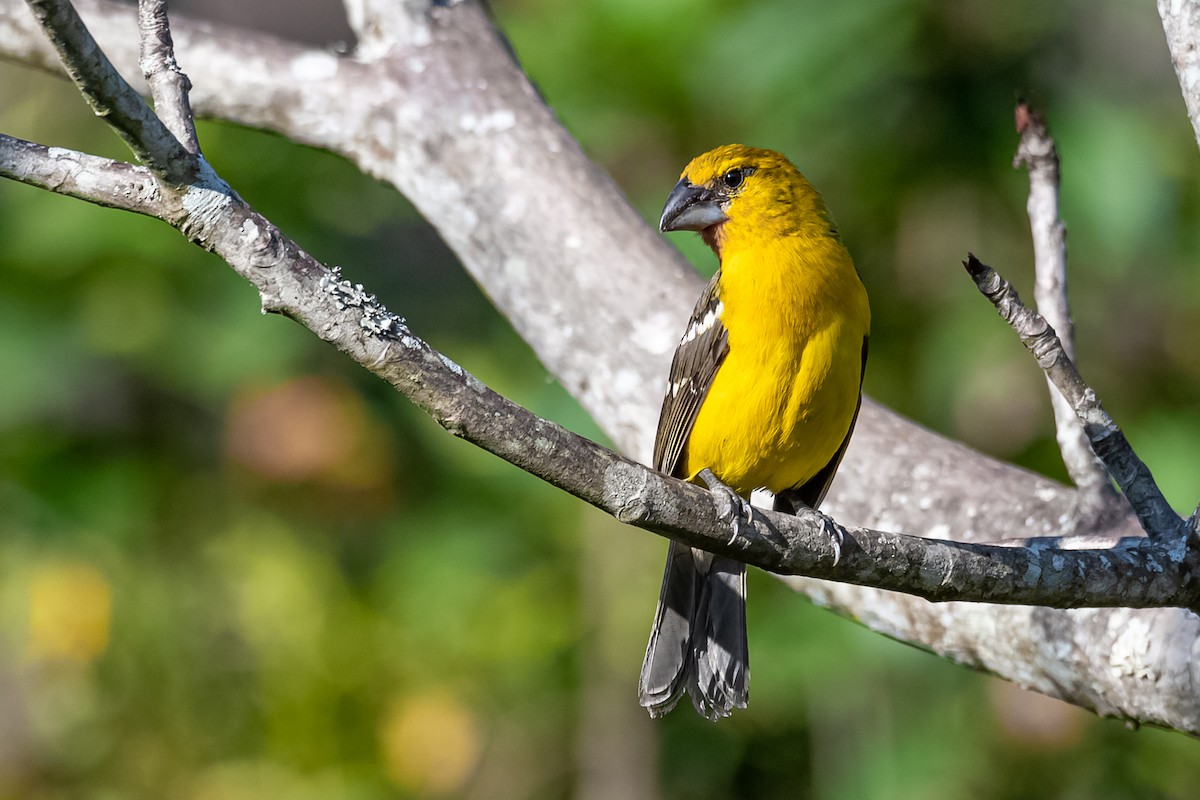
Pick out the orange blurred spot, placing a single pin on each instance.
(1035, 719)
(308, 429)
(70, 606)
(430, 743)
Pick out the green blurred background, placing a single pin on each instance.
(234, 565)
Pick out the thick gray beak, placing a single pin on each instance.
(690, 208)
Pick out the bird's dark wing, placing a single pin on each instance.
(812, 491)
(697, 359)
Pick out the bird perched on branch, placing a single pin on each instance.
(764, 390)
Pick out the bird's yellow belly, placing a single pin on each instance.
(753, 435)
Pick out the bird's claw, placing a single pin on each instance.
(833, 531)
(790, 503)
(835, 538)
(732, 508)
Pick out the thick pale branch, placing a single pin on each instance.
(382, 25)
(1130, 473)
(1133, 664)
(1181, 24)
(1036, 152)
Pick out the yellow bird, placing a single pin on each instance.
(764, 390)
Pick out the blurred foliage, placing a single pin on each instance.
(233, 565)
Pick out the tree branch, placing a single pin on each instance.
(1157, 518)
(1037, 153)
(169, 86)
(381, 25)
(1134, 573)
(1181, 24)
(98, 180)
(110, 96)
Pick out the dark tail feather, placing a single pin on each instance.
(722, 656)
(664, 671)
(698, 642)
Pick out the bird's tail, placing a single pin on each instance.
(698, 642)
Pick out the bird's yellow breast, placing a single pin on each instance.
(783, 400)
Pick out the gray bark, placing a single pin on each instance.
(1181, 23)
(1037, 153)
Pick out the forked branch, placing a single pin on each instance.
(1158, 519)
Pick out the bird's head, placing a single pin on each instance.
(736, 190)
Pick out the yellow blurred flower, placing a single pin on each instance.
(70, 607)
(430, 743)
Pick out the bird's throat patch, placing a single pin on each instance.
(714, 237)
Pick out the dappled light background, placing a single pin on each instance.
(233, 565)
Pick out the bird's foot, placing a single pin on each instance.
(732, 508)
(828, 527)
(831, 530)
(789, 502)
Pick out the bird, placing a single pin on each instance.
(763, 393)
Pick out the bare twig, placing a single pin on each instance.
(1159, 521)
(110, 96)
(97, 180)
(1037, 153)
(169, 86)
(1181, 24)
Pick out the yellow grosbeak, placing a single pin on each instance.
(764, 390)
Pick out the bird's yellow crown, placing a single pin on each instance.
(770, 197)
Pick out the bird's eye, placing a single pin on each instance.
(733, 179)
